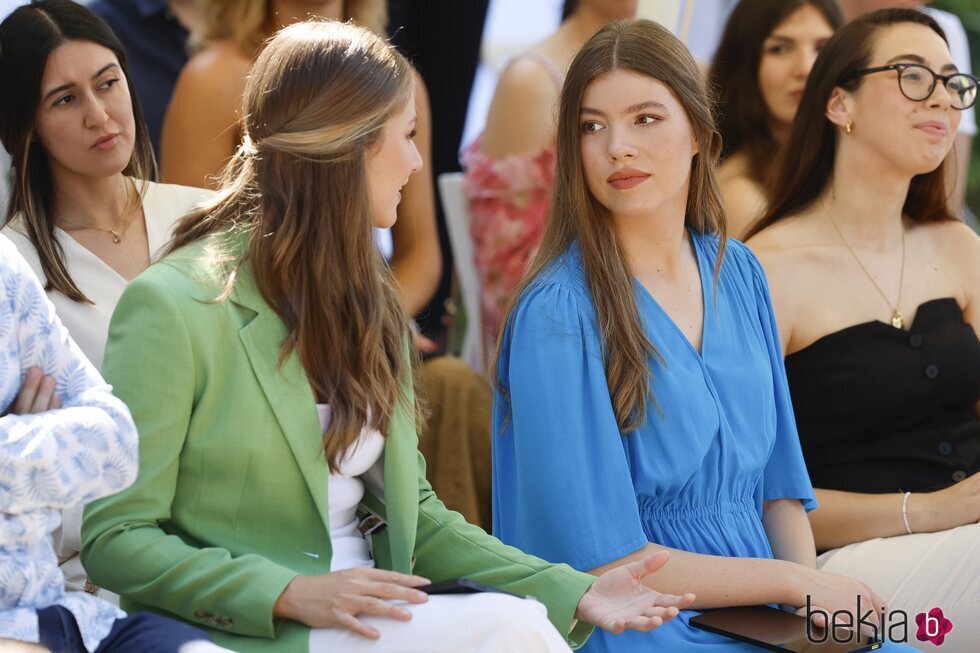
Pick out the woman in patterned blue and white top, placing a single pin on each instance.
(82, 211)
(63, 438)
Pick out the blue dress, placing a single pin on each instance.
(568, 487)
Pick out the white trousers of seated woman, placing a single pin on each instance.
(461, 623)
(918, 572)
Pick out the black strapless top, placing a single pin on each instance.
(880, 409)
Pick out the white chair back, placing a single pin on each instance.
(457, 211)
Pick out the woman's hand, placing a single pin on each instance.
(620, 601)
(36, 394)
(822, 590)
(335, 600)
(950, 507)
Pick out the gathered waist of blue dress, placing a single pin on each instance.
(729, 527)
(673, 508)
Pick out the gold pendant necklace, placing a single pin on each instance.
(116, 237)
(897, 320)
(117, 232)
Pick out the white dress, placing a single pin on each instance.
(344, 492)
(474, 623)
(88, 324)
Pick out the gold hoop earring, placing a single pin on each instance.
(848, 128)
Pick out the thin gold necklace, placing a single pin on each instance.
(116, 236)
(117, 233)
(897, 321)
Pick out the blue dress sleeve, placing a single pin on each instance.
(785, 475)
(562, 487)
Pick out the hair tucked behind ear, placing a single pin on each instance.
(314, 105)
(643, 47)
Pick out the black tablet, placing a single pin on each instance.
(776, 630)
(462, 586)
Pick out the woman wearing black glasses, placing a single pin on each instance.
(876, 289)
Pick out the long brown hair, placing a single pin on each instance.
(244, 21)
(807, 162)
(28, 36)
(743, 118)
(314, 106)
(649, 49)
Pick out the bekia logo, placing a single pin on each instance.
(843, 626)
(933, 626)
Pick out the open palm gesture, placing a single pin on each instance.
(619, 600)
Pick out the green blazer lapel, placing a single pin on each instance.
(401, 475)
(286, 388)
(393, 486)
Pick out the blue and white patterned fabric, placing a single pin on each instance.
(52, 460)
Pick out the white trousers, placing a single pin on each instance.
(919, 572)
(467, 623)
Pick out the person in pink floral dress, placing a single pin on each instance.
(510, 167)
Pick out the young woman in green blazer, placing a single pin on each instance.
(267, 368)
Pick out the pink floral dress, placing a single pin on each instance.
(509, 200)
(508, 209)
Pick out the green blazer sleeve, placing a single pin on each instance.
(445, 546)
(448, 547)
(126, 546)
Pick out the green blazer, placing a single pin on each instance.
(231, 499)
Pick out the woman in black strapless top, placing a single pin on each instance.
(876, 288)
(881, 409)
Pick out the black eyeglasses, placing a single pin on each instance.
(917, 82)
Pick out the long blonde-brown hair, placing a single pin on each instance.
(244, 21)
(314, 106)
(644, 47)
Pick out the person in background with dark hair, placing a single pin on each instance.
(876, 288)
(510, 167)
(155, 34)
(82, 210)
(63, 439)
(759, 69)
(641, 402)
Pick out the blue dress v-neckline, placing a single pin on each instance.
(642, 293)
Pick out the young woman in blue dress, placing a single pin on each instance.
(876, 288)
(641, 400)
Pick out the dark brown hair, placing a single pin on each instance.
(649, 49)
(743, 118)
(805, 167)
(28, 36)
(315, 105)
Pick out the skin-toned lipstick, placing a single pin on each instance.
(933, 128)
(626, 179)
(106, 142)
